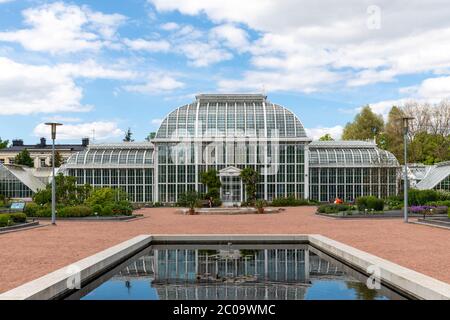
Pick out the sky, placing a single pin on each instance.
(103, 66)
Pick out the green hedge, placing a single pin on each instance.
(75, 211)
(31, 209)
(334, 208)
(369, 203)
(12, 218)
(289, 202)
(5, 220)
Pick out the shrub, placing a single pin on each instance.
(43, 196)
(107, 210)
(18, 217)
(369, 203)
(5, 220)
(439, 203)
(290, 201)
(334, 208)
(31, 209)
(101, 196)
(443, 195)
(43, 212)
(421, 197)
(122, 208)
(75, 211)
(12, 218)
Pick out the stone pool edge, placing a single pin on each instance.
(405, 280)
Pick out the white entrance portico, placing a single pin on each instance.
(231, 192)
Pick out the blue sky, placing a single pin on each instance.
(111, 65)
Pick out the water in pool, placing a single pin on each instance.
(179, 272)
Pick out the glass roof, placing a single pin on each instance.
(342, 156)
(231, 115)
(112, 156)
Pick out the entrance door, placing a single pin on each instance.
(231, 190)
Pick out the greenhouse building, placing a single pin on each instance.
(229, 132)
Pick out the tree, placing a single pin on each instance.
(429, 148)
(212, 182)
(326, 137)
(151, 136)
(58, 159)
(128, 136)
(250, 178)
(366, 125)
(211, 179)
(392, 137)
(3, 143)
(429, 133)
(23, 158)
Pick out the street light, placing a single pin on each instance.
(405, 122)
(53, 127)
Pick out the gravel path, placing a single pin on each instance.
(29, 254)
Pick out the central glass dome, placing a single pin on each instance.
(231, 115)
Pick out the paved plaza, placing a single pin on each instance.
(29, 254)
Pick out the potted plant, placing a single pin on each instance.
(260, 204)
(192, 201)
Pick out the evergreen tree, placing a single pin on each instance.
(23, 158)
(58, 159)
(128, 136)
(367, 125)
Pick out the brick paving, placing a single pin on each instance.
(29, 254)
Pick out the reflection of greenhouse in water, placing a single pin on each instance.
(231, 274)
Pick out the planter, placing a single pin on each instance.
(191, 211)
(260, 210)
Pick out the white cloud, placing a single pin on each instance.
(5, 1)
(232, 36)
(431, 90)
(156, 83)
(63, 28)
(170, 26)
(91, 69)
(435, 89)
(148, 45)
(316, 133)
(294, 36)
(157, 122)
(26, 89)
(103, 130)
(201, 54)
(307, 81)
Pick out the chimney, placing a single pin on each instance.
(17, 142)
(43, 142)
(85, 142)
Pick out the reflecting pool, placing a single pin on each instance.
(234, 272)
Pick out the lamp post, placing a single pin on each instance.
(53, 127)
(405, 122)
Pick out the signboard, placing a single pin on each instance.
(17, 206)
